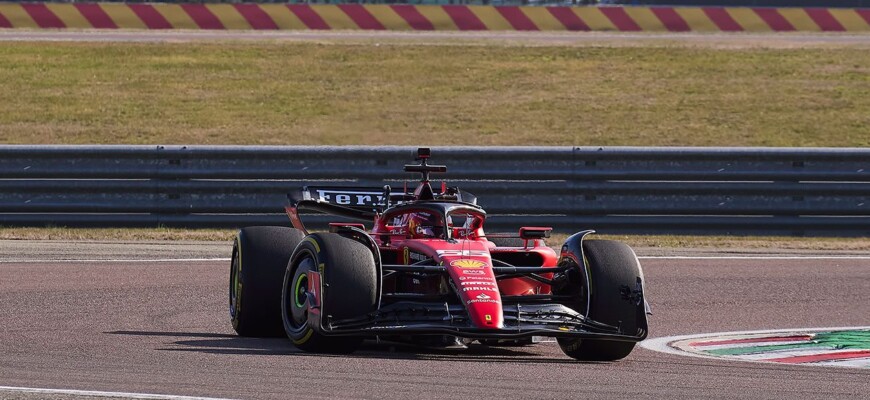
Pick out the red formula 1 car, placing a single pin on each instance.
(427, 272)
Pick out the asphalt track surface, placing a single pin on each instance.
(162, 327)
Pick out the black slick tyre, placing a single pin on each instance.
(612, 273)
(260, 256)
(349, 290)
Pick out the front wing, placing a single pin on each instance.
(520, 321)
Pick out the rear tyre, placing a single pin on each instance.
(260, 255)
(349, 290)
(612, 273)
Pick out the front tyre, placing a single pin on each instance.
(348, 275)
(612, 294)
(260, 255)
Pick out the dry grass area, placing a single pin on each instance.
(115, 234)
(638, 241)
(370, 94)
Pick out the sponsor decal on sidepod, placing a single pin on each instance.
(467, 263)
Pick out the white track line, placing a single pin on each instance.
(93, 393)
(855, 363)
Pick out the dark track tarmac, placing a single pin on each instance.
(162, 327)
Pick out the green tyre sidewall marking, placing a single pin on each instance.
(304, 257)
(297, 286)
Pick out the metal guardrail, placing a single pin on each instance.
(785, 191)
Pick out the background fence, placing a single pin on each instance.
(613, 190)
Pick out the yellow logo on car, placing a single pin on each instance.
(466, 263)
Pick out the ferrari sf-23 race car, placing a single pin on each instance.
(426, 272)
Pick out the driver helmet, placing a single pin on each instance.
(424, 225)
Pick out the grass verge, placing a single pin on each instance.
(370, 94)
(115, 234)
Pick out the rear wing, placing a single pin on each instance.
(366, 198)
(356, 202)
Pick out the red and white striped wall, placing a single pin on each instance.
(424, 18)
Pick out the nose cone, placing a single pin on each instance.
(478, 289)
(485, 310)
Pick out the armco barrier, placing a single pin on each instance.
(429, 17)
(614, 190)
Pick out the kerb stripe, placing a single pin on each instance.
(823, 18)
(122, 16)
(96, 16)
(308, 16)
(255, 16)
(362, 17)
(43, 17)
(229, 16)
(41, 14)
(774, 19)
(4, 23)
(515, 16)
(568, 18)
(464, 19)
(202, 16)
(412, 16)
(19, 18)
(753, 340)
(387, 17)
(846, 355)
(620, 19)
(670, 19)
(150, 17)
(69, 15)
(722, 19)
